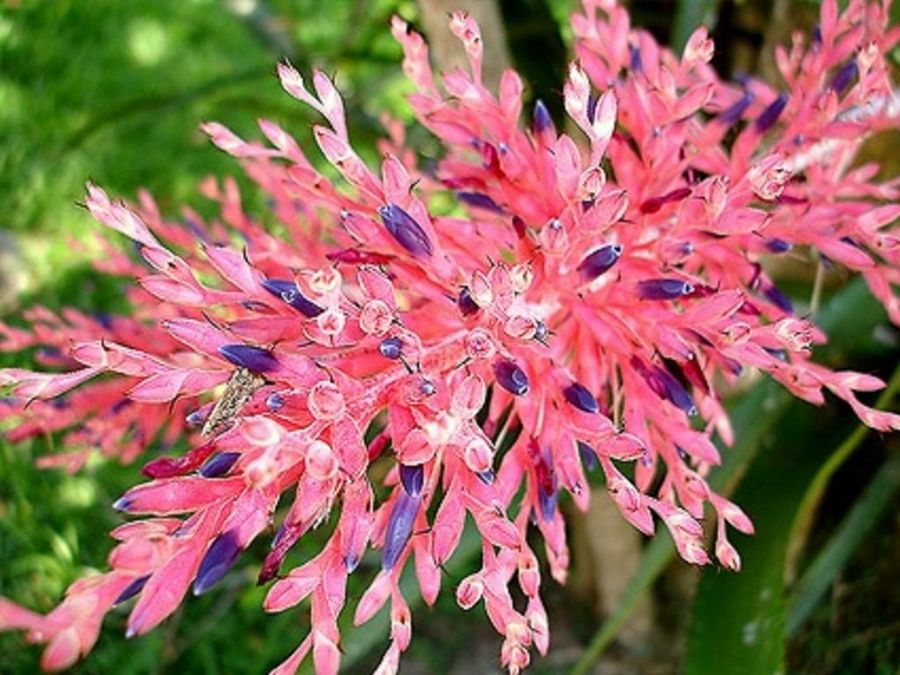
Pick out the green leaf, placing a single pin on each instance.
(739, 620)
(688, 16)
(832, 559)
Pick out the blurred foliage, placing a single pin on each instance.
(114, 91)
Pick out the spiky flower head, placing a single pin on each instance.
(580, 310)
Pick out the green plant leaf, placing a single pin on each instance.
(832, 559)
(688, 15)
(739, 620)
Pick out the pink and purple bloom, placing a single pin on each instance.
(597, 290)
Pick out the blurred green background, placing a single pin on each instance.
(114, 90)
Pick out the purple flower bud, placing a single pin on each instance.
(351, 562)
(663, 289)
(254, 359)
(132, 589)
(479, 200)
(219, 465)
(778, 245)
(122, 504)
(104, 320)
(486, 477)
(466, 304)
(547, 501)
(779, 354)
(511, 377)
(545, 477)
(770, 115)
(196, 418)
(843, 78)
(817, 35)
(391, 348)
(541, 120)
(408, 233)
(275, 402)
(600, 261)
(736, 110)
(219, 558)
(289, 293)
(588, 456)
(674, 391)
(578, 396)
(592, 107)
(778, 298)
(635, 64)
(412, 477)
(399, 528)
(119, 406)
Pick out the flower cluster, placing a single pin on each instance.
(579, 310)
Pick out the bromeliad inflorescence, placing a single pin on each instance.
(586, 301)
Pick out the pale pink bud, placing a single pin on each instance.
(796, 333)
(480, 345)
(690, 548)
(591, 183)
(325, 281)
(375, 318)
(292, 81)
(520, 277)
(331, 321)
(480, 289)
(321, 461)
(699, 47)
(553, 236)
(401, 625)
(727, 555)
(261, 431)
(468, 397)
(325, 401)
(520, 327)
(539, 625)
(261, 472)
(469, 591)
(768, 178)
(478, 455)
(415, 448)
(735, 517)
(514, 656)
(737, 333)
(529, 573)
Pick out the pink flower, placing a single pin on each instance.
(601, 310)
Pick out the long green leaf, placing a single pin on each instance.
(807, 511)
(832, 559)
(739, 620)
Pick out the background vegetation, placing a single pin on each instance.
(114, 91)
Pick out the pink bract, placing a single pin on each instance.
(595, 290)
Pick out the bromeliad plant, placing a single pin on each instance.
(582, 309)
